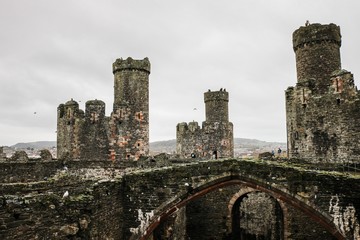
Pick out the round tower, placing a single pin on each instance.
(216, 106)
(131, 83)
(317, 50)
(131, 106)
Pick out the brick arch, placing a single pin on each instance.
(237, 195)
(200, 191)
(245, 190)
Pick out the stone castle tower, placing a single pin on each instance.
(215, 138)
(129, 135)
(323, 109)
(122, 136)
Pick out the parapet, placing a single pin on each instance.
(70, 109)
(340, 72)
(72, 103)
(131, 64)
(216, 95)
(316, 33)
(45, 155)
(193, 126)
(96, 106)
(185, 127)
(182, 127)
(20, 156)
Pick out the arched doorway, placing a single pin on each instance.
(257, 216)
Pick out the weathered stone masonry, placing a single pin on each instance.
(201, 197)
(323, 109)
(161, 198)
(215, 139)
(122, 136)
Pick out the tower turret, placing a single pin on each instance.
(216, 106)
(131, 83)
(131, 106)
(94, 139)
(317, 50)
(68, 128)
(215, 138)
(321, 110)
(94, 110)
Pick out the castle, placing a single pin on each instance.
(323, 109)
(157, 198)
(215, 138)
(322, 112)
(122, 136)
(91, 135)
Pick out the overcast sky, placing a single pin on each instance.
(51, 51)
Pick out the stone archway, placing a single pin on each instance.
(255, 215)
(196, 193)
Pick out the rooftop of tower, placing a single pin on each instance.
(316, 33)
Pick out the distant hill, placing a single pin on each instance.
(241, 146)
(254, 143)
(168, 146)
(35, 145)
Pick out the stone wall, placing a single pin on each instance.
(2, 154)
(210, 210)
(38, 170)
(300, 226)
(195, 199)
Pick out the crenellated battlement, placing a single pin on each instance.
(94, 107)
(316, 33)
(70, 110)
(216, 105)
(317, 53)
(131, 64)
(221, 95)
(184, 128)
